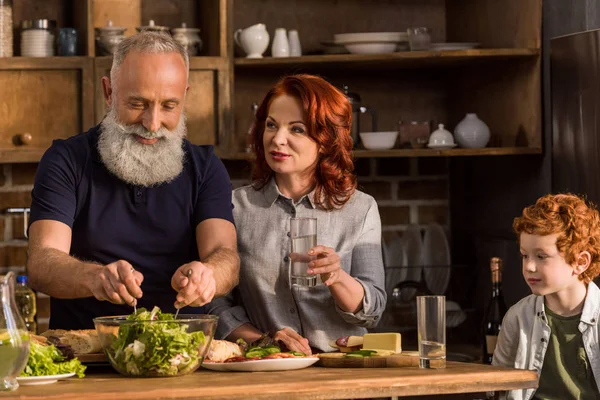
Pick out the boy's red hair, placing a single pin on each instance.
(576, 221)
(328, 117)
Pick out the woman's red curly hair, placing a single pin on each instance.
(328, 118)
(576, 222)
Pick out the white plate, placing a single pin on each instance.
(441, 146)
(42, 380)
(281, 364)
(413, 245)
(371, 47)
(453, 46)
(436, 254)
(344, 38)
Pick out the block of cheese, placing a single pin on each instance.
(382, 341)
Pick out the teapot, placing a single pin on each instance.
(14, 337)
(254, 40)
(357, 110)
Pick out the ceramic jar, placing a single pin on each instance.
(189, 38)
(294, 43)
(38, 38)
(281, 46)
(108, 38)
(471, 132)
(254, 40)
(441, 138)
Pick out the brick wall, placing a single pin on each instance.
(407, 190)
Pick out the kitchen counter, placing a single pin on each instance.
(309, 383)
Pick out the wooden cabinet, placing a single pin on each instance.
(501, 81)
(42, 101)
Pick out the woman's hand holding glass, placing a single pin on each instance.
(327, 265)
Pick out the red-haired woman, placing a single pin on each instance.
(304, 168)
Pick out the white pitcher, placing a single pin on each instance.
(281, 46)
(254, 40)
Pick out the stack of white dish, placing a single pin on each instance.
(371, 42)
(37, 43)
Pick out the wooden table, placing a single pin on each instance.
(309, 383)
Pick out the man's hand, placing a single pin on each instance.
(117, 282)
(293, 340)
(198, 289)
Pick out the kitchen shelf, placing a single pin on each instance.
(399, 59)
(196, 63)
(44, 63)
(398, 153)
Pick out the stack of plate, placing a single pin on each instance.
(37, 43)
(371, 42)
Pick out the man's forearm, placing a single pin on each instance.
(59, 275)
(225, 263)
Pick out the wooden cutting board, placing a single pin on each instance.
(92, 358)
(404, 359)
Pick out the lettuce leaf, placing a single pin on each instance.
(48, 360)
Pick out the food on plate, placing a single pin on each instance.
(221, 350)
(156, 349)
(225, 351)
(84, 341)
(47, 359)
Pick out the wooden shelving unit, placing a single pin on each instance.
(395, 60)
(58, 97)
(400, 153)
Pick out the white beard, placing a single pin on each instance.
(137, 163)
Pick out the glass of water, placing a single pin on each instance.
(431, 326)
(303, 233)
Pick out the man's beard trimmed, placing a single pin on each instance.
(137, 163)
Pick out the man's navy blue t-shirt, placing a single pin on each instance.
(153, 228)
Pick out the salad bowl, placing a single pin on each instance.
(155, 344)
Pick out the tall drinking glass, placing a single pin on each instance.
(303, 232)
(431, 326)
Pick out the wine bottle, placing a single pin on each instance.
(494, 313)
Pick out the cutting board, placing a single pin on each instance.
(404, 359)
(92, 358)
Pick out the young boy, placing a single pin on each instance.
(555, 330)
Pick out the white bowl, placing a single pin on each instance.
(371, 48)
(344, 38)
(379, 140)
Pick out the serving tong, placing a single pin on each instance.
(189, 274)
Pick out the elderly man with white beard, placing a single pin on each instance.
(130, 212)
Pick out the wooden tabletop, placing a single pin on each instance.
(309, 383)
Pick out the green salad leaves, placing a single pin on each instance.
(48, 360)
(156, 348)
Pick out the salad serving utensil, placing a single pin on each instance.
(189, 274)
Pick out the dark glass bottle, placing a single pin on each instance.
(494, 313)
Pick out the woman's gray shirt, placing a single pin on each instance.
(264, 295)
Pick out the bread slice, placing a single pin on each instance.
(83, 341)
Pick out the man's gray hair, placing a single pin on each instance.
(146, 42)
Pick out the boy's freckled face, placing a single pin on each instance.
(544, 268)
